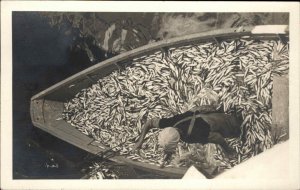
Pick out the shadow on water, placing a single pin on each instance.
(41, 57)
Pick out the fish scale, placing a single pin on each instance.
(161, 85)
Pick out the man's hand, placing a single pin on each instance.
(137, 146)
(148, 125)
(166, 160)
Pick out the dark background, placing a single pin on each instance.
(49, 47)
(41, 57)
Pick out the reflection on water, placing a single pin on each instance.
(44, 55)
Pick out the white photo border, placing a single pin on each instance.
(7, 7)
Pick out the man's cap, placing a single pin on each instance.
(168, 139)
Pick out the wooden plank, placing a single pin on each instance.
(169, 171)
(280, 101)
(280, 106)
(36, 110)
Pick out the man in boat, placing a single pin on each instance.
(203, 124)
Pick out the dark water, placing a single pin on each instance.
(44, 55)
(41, 58)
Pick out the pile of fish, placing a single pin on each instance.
(172, 81)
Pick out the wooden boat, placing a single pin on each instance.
(47, 105)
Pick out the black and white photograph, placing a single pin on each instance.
(117, 95)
